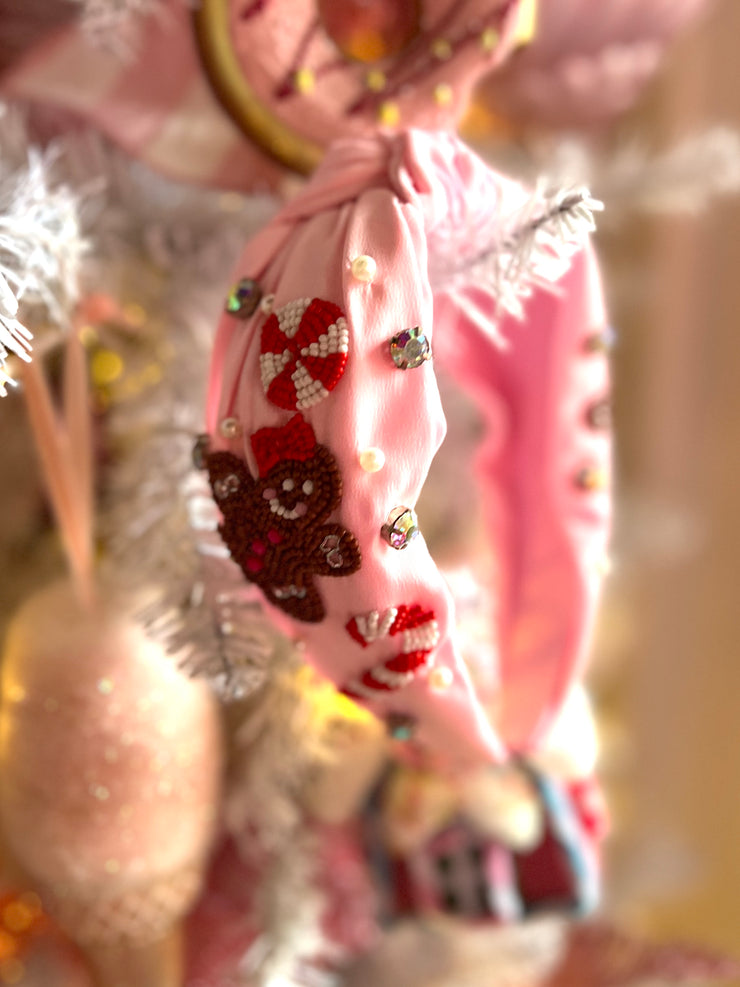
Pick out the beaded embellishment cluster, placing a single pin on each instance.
(275, 526)
(419, 634)
(303, 352)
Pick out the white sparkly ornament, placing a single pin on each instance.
(111, 766)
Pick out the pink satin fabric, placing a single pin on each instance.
(395, 199)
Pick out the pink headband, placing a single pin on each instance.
(324, 416)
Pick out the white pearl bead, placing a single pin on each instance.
(372, 460)
(363, 268)
(230, 428)
(440, 678)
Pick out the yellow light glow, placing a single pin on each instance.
(106, 367)
(304, 81)
(527, 24)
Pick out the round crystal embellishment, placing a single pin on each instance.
(401, 527)
(226, 486)
(243, 299)
(200, 451)
(410, 349)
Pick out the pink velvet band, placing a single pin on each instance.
(395, 199)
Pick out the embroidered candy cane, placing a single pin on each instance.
(419, 635)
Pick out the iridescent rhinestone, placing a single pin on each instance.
(230, 428)
(401, 527)
(602, 341)
(599, 415)
(400, 726)
(591, 478)
(200, 451)
(226, 486)
(330, 548)
(410, 348)
(243, 299)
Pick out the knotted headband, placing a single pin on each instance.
(341, 353)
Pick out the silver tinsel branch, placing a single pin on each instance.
(530, 248)
(630, 178)
(279, 746)
(684, 179)
(177, 247)
(41, 244)
(116, 25)
(538, 249)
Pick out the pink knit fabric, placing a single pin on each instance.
(395, 199)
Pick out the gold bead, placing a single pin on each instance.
(375, 80)
(489, 39)
(441, 678)
(389, 114)
(304, 81)
(441, 49)
(443, 94)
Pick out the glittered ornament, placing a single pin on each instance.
(111, 766)
(410, 349)
(243, 299)
(602, 341)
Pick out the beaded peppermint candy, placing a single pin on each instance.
(419, 636)
(303, 352)
(275, 526)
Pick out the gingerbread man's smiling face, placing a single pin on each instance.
(296, 493)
